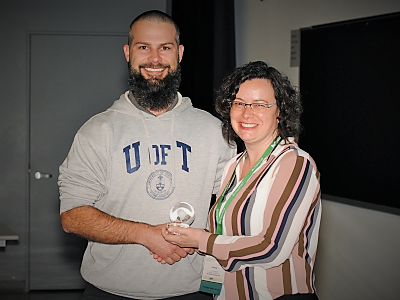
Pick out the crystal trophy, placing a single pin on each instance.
(181, 214)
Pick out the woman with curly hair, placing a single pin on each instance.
(264, 225)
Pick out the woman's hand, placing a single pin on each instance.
(183, 237)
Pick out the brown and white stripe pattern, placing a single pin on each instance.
(270, 229)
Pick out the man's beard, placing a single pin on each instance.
(154, 94)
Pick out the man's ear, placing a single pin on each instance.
(126, 52)
(180, 52)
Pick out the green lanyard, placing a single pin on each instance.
(219, 216)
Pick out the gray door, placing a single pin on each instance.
(72, 77)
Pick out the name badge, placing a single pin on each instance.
(213, 276)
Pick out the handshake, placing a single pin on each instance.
(179, 239)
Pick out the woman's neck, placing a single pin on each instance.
(255, 152)
(253, 155)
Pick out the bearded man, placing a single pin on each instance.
(128, 166)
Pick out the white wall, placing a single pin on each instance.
(263, 27)
(358, 255)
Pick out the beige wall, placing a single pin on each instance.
(358, 250)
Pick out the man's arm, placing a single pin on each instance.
(97, 226)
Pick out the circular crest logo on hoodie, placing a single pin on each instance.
(159, 185)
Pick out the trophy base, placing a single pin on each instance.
(180, 224)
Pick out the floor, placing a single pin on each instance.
(43, 295)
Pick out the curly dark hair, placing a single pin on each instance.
(287, 99)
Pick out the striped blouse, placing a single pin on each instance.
(270, 229)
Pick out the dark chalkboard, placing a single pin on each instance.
(350, 84)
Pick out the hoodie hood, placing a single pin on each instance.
(125, 106)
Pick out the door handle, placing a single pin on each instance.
(39, 175)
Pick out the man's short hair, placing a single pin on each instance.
(155, 16)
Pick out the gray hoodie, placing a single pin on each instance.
(136, 166)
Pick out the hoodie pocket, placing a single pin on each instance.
(103, 257)
(195, 264)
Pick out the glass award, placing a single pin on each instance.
(181, 214)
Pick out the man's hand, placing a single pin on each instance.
(160, 260)
(162, 250)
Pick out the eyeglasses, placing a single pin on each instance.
(256, 107)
